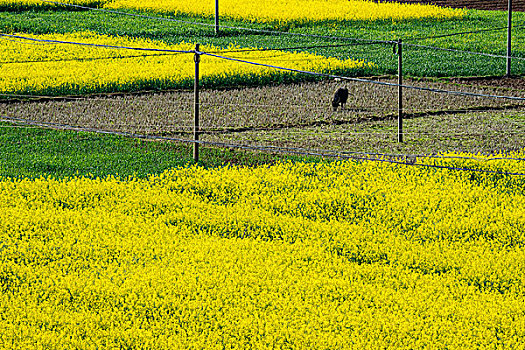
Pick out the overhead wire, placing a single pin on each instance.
(275, 32)
(167, 51)
(483, 30)
(432, 156)
(463, 51)
(409, 160)
(462, 93)
(188, 129)
(363, 41)
(20, 41)
(272, 66)
(52, 41)
(371, 41)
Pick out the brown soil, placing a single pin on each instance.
(517, 5)
(301, 115)
(515, 83)
(262, 108)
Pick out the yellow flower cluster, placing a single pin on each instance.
(272, 10)
(343, 255)
(14, 4)
(294, 10)
(37, 67)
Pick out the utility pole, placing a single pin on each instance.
(196, 127)
(217, 17)
(509, 39)
(400, 90)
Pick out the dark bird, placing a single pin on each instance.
(340, 97)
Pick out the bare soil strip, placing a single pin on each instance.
(301, 115)
(511, 83)
(259, 108)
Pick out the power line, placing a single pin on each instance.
(369, 41)
(409, 160)
(364, 80)
(462, 33)
(363, 41)
(274, 32)
(281, 32)
(284, 49)
(188, 129)
(5, 36)
(463, 51)
(19, 41)
(167, 50)
(95, 45)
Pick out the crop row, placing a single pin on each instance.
(355, 255)
(56, 68)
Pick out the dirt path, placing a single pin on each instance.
(517, 5)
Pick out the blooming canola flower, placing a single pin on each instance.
(51, 67)
(295, 10)
(379, 256)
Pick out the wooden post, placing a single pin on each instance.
(509, 39)
(400, 91)
(196, 130)
(217, 17)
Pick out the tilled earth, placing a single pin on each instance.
(266, 107)
(517, 5)
(510, 83)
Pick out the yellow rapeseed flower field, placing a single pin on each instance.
(57, 68)
(342, 255)
(294, 10)
(271, 10)
(16, 4)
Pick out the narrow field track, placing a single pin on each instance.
(517, 5)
